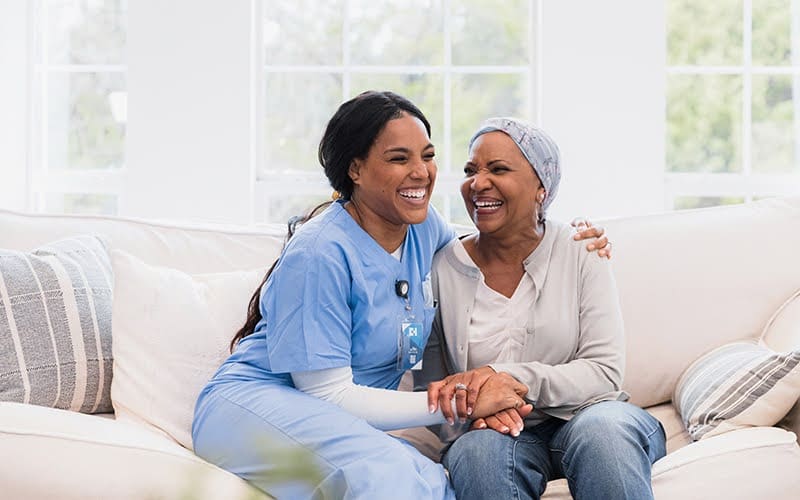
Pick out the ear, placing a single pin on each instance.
(355, 170)
(541, 194)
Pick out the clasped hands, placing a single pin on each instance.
(493, 400)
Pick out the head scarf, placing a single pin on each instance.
(538, 148)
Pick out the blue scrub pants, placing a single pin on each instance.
(238, 423)
(605, 452)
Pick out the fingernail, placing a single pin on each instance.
(576, 236)
(469, 411)
(590, 247)
(505, 429)
(431, 409)
(450, 421)
(521, 426)
(481, 425)
(515, 433)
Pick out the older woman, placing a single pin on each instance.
(521, 296)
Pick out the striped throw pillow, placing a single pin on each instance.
(737, 385)
(55, 325)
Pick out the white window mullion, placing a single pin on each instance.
(345, 69)
(747, 92)
(535, 62)
(795, 62)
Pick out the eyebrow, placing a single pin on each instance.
(498, 160)
(406, 150)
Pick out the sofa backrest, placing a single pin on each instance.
(192, 249)
(690, 281)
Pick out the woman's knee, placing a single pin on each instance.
(616, 424)
(476, 447)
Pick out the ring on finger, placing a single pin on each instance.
(461, 387)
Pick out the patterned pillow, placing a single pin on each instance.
(55, 325)
(737, 385)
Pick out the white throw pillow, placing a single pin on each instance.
(737, 385)
(171, 333)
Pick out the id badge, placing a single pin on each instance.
(410, 344)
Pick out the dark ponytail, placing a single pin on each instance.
(254, 307)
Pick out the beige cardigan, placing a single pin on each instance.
(575, 349)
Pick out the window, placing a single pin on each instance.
(79, 107)
(458, 60)
(733, 101)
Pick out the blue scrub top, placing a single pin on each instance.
(331, 302)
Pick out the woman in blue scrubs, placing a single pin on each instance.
(343, 313)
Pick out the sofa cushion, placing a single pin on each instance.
(55, 325)
(737, 385)
(68, 455)
(758, 462)
(171, 333)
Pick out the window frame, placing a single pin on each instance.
(745, 184)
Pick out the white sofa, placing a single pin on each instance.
(689, 281)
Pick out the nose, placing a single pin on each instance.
(419, 170)
(480, 181)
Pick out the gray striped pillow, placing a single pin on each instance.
(55, 325)
(737, 385)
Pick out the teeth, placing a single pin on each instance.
(488, 204)
(416, 194)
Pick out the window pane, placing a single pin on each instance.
(81, 203)
(686, 202)
(704, 33)
(425, 91)
(490, 33)
(477, 97)
(83, 132)
(298, 107)
(303, 32)
(396, 32)
(704, 123)
(772, 32)
(451, 205)
(774, 132)
(86, 31)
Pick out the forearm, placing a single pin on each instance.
(384, 409)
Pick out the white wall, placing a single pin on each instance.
(13, 103)
(603, 82)
(189, 101)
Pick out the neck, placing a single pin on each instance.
(388, 235)
(509, 249)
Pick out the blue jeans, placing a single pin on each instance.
(605, 452)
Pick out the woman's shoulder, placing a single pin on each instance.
(322, 236)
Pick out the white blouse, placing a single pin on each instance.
(498, 325)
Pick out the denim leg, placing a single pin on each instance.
(607, 450)
(485, 464)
